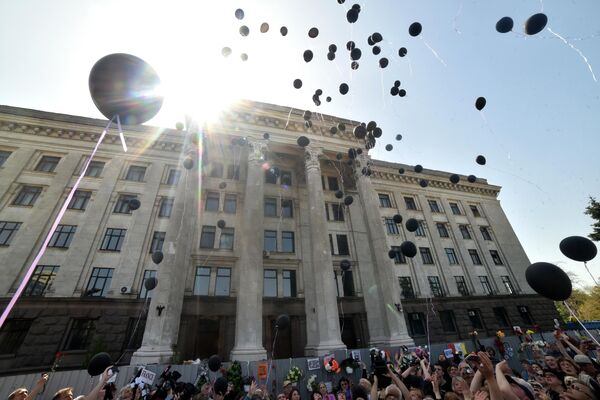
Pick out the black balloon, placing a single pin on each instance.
(339, 156)
(282, 322)
(308, 124)
(360, 132)
(157, 257)
(350, 45)
(398, 137)
(359, 151)
(134, 204)
(392, 254)
(345, 265)
(333, 130)
(239, 14)
(99, 363)
(454, 178)
(376, 37)
(504, 25)
(471, 178)
(377, 132)
(400, 170)
(355, 54)
(352, 16)
(332, 48)
(244, 57)
(348, 200)
(221, 224)
(354, 65)
(188, 162)
(124, 85)
(297, 83)
(409, 249)
(331, 56)
(223, 185)
(412, 224)
(328, 99)
(356, 7)
(480, 160)
(402, 51)
(549, 281)
(303, 141)
(266, 136)
(244, 30)
(578, 248)
(397, 218)
(536, 23)
(226, 52)
(307, 115)
(480, 103)
(339, 194)
(352, 153)
(283, 31)
(394, 91)
(424, 183)
(415, 29)
(150, 283)
(376, 50)
(341, 127)
(308, 55)
(344, 88)
(214, 363)
(402, 93)
(389, 147)
(313, 33)
(370, 41)
(383, 62)
(397, 83)
(371, 125)
(418, 168)
(264, 27)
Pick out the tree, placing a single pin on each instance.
(576, 301)
(590, 309)
(593, 210)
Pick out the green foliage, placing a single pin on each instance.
(593, 210)
(234, 376)
(585, 303)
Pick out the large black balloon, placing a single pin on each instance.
(360, 132)
(454, 178)
(348, 200)
(536, 23)
(188, 162)
(150, 283)
(549, 281)
(392, 254)
(344, 88)
(480, 103)
(125, 85)
(408, 248)
(239, 14)
(244, 30)
(418, 168)
(214, 363)
(504, 25)
(352, 15)
(283, 31)
(308, 55)
(350, 45)
(157, 257)
(345, 265)
(297, 83)
(389, 147)
(339, 194)
(282, 322)
(415, 29)
(578, 248)
(313, 32)
(221, 223)
(303, 141)
(412, 224)
(397, 218)
(402, 51)
(383, 62)
(99, 363)
(472, 178)
(424, 183)
(355, 54)
(134, 204)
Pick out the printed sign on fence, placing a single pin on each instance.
(263, 370)
(313, 363)
(147, 376)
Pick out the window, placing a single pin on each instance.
(496, 257)
(173, 177)
(410, 203)
(452, 259)
(158, 239)
(525, 315)
(485, 233)
(286, 178)
(501, 317)
(230, 204)
(508, 284)
(332, 183)
(433, 206)
(95, 169)
(233, 172)
(212, 201)
(223, 281)
(287, 208)
(475, 210)
(216, 170)
(41, 280)
(475, 257)
(485, 284)
(144, 293)
(420, 229)
(426, 255)
(270, 283)
(289, 283)
(435, 286)
(4, 156)
(416, 324)
(136, 173)
(442, 230)
(270, 207)
(13, 334)
(113, 239)
(62, 236)
(391, 226)
(122, 205)
(27, 196)
(455, 209)
(202, 281)
(226, 239)
(287, 242)
(47, 164)
(270, 242)
(475, 318)
(384, 200)
(337, 212)
(398, 257)
(99, 282)
(80, 199)
(461, 285)
(80, 334)
(342, 243)
(464, 231)
(406, 287)
(7, 230)
(270, 176)
(207, 237)
(448, 321)
(166, 207)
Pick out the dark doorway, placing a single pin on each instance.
(283, 344)
(206, 338)
(348, 332)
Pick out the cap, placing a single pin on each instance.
(523, 384)
(393, 390)
(582, 359)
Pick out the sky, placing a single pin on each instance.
(538, 131)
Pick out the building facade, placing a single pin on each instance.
(252, 231)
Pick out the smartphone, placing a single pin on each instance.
(473, 358)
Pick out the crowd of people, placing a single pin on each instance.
(567, 369)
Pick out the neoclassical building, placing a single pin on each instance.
(252, 231)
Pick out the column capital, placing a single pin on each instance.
(258, 148)
(311, 157)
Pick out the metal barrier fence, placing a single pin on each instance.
(82, 383)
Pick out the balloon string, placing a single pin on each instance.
(434, 52)
(121, 134)
(42, 250)
(585, 60)
(272, 355)
(455, 19)
(589, 272)
(580, 323)
(135, 327)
